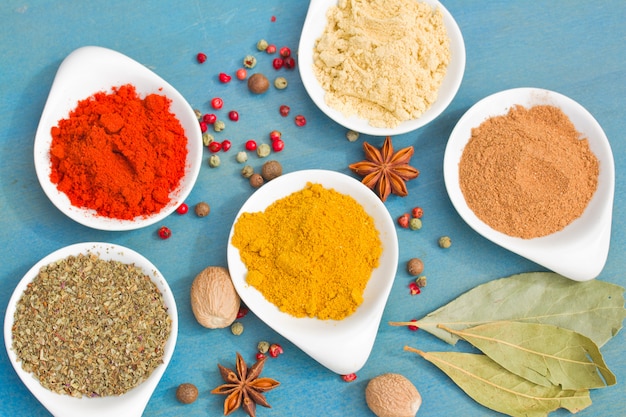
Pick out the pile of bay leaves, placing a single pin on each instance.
(540, 336)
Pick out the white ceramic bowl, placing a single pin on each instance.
(134, 401)
(341, 346)
(313, 28)
(92, 69)
(579, 251)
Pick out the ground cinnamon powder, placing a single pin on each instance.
(528, 173)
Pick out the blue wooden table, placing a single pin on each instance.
(577, 48)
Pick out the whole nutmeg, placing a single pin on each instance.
(214, 301)
(415, 266)
(392, 395)
(271, 169)
(186, 393)
(256, 180)
(258, 83)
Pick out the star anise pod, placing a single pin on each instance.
(384, 171)
(244, 387)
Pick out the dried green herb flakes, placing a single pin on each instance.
(89, 327)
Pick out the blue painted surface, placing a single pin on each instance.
(574, 47)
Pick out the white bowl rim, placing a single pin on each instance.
(84, 72)
(132, 402)
(353, 337)
(314, 26)
(579, 251)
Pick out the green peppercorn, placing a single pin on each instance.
(352, 136)
(445, 242)
(263, 150)
(421, 281)
(214, 161)
(249, 61)
(280, 83)
(207, 138)
(247, 171)
(236, 328)
(198, 113)
(415, 224)
(262, 45)
(263, 346)
(241, 157)
(219, 125)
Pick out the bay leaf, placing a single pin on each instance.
(541, 353)
(494, 387)
(593, 308)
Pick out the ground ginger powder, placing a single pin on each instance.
(383, 60)
(311, 253)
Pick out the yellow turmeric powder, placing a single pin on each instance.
(310, 253)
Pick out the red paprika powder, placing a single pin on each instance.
(118, 154)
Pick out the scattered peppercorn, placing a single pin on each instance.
(284, 110)
(219, 125)
(241, 74)
(263, 150)
(207, 138)
(275, 350)
(285, 52)
(415, 224)
(182, 209)
(256, 180)
(271, 49)
(164, 232)
(280, 83)
(247, 171)
(417, 212)
(250, 145)
(224, 78)
(226, 145)
(415, 266)
(233, 115)
(290, 63)
(275, 135)
(263, 346)
(215, 146)
(262, 45)
(259, 356)
(403, 221)
(349, 377)
(198, 114)
(258, 83)
(242, 312)
(214, 161)
(352, 136)
(414, 288)
(278, 145)
(411, 327)
(186, 393)
(444, 242)
(209, 118)
(300, 120)
(236, 328)
(249, 61)
(241, 157)
(203, 127)
(421, 281)
(202, 209)
(201, 57)
(271, 169)
(217, 103)
(278, 63)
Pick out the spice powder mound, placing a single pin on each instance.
(118, 154)
(89, 327)
(383, 60)
(528, 173)
(311, 253)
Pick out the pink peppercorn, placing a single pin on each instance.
(278, 63)
(226, 145)
(203, 127)
(233, 115)
(209, 118)
(201, 57)
(224, 78)
(271, 49)
(250, 145)
(284, 110)
(300, 120)
(411, 327)
(217, 103)
(285, 52)
(414, 288)
(278, 145)
(349, 377)
(241, 74)
(290, 63)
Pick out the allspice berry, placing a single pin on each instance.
(415, 266)
(258, 83)
(202, 209)
(256, 180)
(271, 169)
(186, 393)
